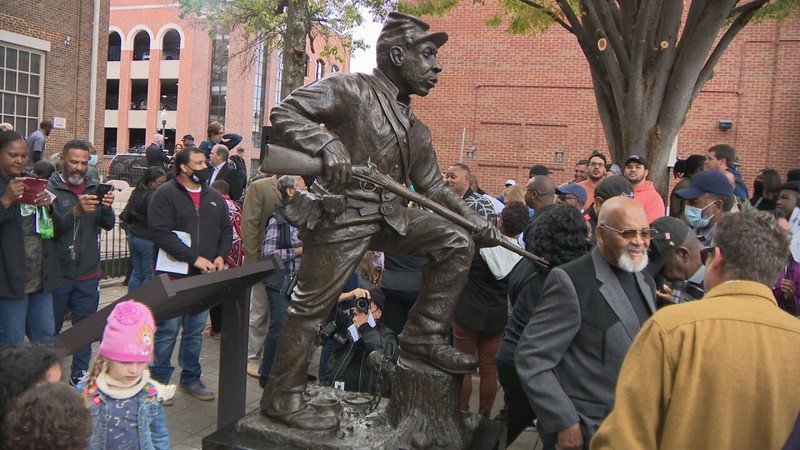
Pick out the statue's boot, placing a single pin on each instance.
(282, 398)
(443, 357)
(310, 417)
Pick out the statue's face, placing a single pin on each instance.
(419, 69)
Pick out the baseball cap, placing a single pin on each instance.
(613, 187)
(511, 182)
(706, 182)
(406, 31)
(573, 189)
(539, 169)
(671, 234)
(639, 159)
(791, 186)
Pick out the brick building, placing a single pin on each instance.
(164, 68)
(52, 66)
(522, 100)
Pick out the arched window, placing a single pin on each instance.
(334, 68)
(319, 71)
(171, 47)
(114, 46)
(141, 46)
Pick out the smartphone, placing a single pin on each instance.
(102, 190)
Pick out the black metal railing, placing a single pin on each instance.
(115, 257)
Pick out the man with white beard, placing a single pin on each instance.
(590, 310)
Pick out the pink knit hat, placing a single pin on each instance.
(129, 335)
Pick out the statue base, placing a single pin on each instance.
(422, 414)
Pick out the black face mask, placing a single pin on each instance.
(201, 176)
(758, 188)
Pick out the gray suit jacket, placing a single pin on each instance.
(571, 351)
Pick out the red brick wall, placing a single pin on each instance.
(67, 67)
(521, 98)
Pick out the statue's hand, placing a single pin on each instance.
(336, 162)
(485, 234)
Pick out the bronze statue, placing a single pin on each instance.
(368, 120)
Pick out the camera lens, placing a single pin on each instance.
(362, 304)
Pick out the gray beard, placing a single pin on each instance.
(626, 263)
(75, 179)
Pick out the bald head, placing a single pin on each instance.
(540, 191)
(627, 253)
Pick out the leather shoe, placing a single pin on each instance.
(311, 417)
(443, 357)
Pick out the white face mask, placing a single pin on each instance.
(92, 160)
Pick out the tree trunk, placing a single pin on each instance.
(295, 59)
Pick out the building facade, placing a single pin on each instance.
(505, 102)
(52, 66)
(177, 75)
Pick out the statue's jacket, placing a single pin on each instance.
(363, 112)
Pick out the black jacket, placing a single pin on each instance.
(171, 208)
(483, 303)
(156, 156)
(85, 231)
(12, 253)
(349, 363)
(135, 213)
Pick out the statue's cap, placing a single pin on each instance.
(405, 30)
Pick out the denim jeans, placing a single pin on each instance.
(141, 261)
(278, 304)
(80, 297)
(188, 354)
(31, 315)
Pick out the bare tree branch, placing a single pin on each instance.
(549, 13)
(740, 22)
(614, 35)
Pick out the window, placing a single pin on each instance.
(114, 46)
(21, 86)
(169, 95)
(171, 47)
(278, 79)
(334, 68)
(219, 79)
(141, 46)
(258, 97)
(319, 70)
(112, 94)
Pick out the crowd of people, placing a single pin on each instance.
(643, 329)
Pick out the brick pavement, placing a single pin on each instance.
(189, 420)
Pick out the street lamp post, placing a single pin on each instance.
(164, 129)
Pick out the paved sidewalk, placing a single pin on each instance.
(189, 420)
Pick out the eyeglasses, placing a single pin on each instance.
(566, 197)
(630, 234)
(706, 253)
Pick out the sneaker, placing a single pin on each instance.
(198, 390)
(76, 378)
(252, 369)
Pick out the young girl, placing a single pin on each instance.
(127, 407)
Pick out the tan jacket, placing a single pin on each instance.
(259, 202)
(719, 373)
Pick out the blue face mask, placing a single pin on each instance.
(694, 216)
(92, 160)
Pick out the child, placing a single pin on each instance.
(23, 366)
(127, 407)
(51, 416)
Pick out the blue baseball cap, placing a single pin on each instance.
(573, 189)
(707, 182)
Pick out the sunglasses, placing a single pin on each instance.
(706, 253)
(630, 234)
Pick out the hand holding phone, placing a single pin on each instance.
(102, 190)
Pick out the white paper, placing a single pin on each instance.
(794, 229)
(166, 263)
(354, 333)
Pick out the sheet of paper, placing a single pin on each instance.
(166, 263)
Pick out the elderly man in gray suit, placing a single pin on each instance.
(572, 349)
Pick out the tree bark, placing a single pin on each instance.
(295, 59)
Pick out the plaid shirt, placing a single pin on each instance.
(481, 205)
(291, 262)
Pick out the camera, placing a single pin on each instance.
(340, 319)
